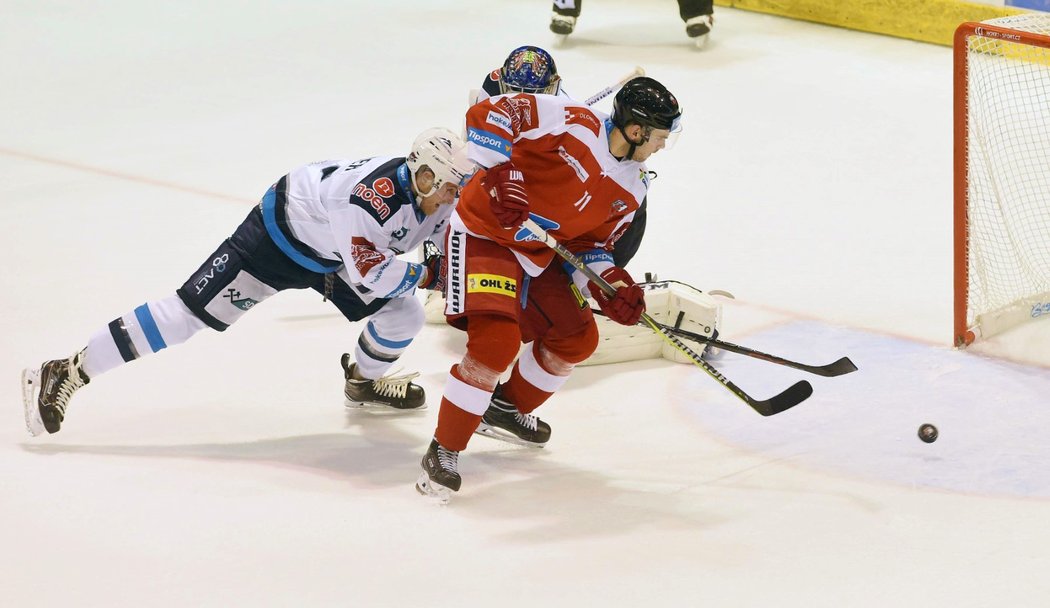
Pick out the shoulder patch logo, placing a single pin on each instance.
(384, 187)
(577, 115)
(373, 199)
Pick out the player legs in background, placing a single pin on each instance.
(698, 16)
(563, 21)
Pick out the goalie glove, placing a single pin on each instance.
(505, 184)
(627, 304)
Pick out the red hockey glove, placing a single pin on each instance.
(436, 273)
(506, 187)
(627, 304)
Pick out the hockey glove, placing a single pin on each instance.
(507, 198)
(436, 273)
(627, 304)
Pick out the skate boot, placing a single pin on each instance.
(562, 24)
(503, 421)
(699, 27)
(440, 474)
(46, 392)
(397, 392)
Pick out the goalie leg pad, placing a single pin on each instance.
(693, 311)
(669, 303)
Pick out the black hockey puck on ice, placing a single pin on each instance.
(928, 433)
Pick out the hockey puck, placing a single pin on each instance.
(928, 433)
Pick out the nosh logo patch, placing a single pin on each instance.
(492, 283)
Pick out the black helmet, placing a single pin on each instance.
(646, 102)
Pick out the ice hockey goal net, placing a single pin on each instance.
(1002, 174)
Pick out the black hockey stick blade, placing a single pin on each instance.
(792, 396)
(838, 368)
(830, 370)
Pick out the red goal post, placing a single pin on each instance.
(1002, 175)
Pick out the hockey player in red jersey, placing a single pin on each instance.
(579, 174)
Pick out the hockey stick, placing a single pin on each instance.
(609, 90)
(837, 368)
(830, 370)
(792, 396)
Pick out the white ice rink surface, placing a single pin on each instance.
(813, 180)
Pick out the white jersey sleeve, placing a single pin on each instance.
(364, 214)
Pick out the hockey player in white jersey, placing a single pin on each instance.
(333, 226)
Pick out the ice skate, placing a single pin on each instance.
(440, 475)
(563, 25)
(46, 392)
(396, 392)
(503, 421)
(698, 28)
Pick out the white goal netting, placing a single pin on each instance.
(1008, 176)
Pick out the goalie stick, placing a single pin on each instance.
(789, 398)
(609, 90)
(838, 368)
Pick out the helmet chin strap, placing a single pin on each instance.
(420, 195)
(630, 151)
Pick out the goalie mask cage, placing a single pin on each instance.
(1002, 174)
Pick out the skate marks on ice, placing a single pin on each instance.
(991, 413)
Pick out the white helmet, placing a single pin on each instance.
(444, 153)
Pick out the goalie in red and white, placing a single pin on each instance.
(580, 175)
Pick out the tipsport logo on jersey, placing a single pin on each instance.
(489, 140)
